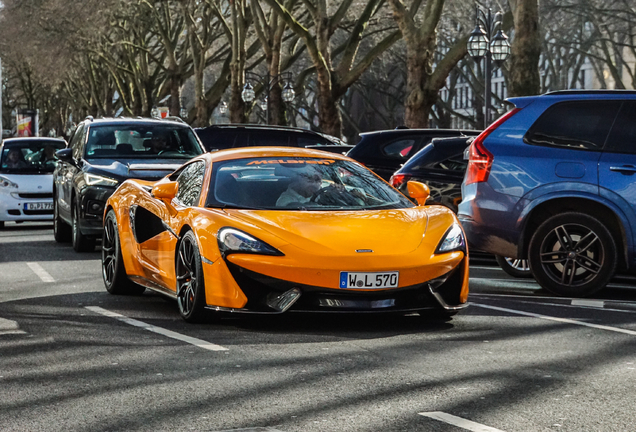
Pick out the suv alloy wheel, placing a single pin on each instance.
(572, 254)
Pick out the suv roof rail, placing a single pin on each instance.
(599, 91)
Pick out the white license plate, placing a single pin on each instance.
(38, 206)
(369, 280)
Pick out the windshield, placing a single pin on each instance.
(300, 184)
(141, 141)
(30, 156)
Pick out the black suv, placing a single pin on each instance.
(384, 152)
(101, 155)
(224, 136)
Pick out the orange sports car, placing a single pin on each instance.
(273, 229)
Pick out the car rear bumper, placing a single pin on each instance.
(491, 220)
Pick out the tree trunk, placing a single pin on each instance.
(175, 93)
(275, 107)
(523, 78)
(328, 113)
(420, 99)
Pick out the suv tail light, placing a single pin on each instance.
(481, 159)
(398, 180)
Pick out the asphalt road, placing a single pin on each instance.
(75, 358)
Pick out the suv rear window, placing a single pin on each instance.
(581, 125)
(399, 149)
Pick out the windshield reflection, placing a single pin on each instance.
(300, 184)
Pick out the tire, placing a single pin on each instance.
(514, 267)
(113, 271)
(190, 283)
(572, 254)
(81, 242)
(61, 230)
(1, 224)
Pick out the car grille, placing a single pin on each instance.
(36, 195)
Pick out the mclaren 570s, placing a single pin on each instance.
(275, 230)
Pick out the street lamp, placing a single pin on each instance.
(268, 82)
(222, 107)
(489, 41)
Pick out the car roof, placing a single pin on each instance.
(9, 142)
(572, 95)
(129, 120)
(258, 127)
(430, 131)
(18, 139)
(255, 152)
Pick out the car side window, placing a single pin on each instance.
(582, 125)
(399, 149)
(622, 138)
(77, 142)
(190, 182)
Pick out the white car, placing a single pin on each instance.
(26, 178)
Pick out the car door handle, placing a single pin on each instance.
(625, 169)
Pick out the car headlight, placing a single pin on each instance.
(97, 180)
(232, 240)
(6, 183)
(452, 241)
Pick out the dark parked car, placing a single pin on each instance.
(553, 181)
(384, 152)
(224, 136)
(101, 155)
(441, 166)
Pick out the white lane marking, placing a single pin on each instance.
(505, 281)
(515, 298)
(38, 270)
(590, 303)
(459, 422)
(169, 333)
(9, 327)
(562, 320)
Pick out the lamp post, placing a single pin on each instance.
(489, 41)
(268, 82)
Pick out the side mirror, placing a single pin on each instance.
(418, 191)
(65, 155)
(165, 190)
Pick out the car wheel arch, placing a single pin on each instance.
(614, 219)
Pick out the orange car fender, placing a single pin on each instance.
(220, 287)
(120, 202)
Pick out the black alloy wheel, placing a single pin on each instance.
(61, 230)
(113, 270)
(190, 283)
(572, 254)
(515, 267)
(81, 242)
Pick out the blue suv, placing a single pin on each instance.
(553, 181)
